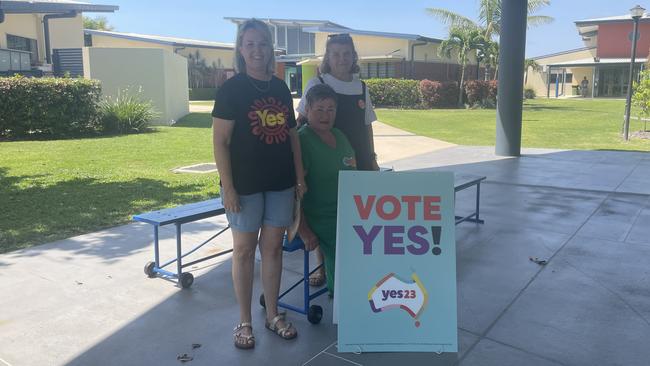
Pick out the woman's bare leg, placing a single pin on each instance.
(243, 262)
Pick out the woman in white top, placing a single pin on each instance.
(354, 115)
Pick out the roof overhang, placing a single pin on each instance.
(289, 22)
(406, 36)
(49, 7)
(590, 62)
(169, 41)
(379, 58)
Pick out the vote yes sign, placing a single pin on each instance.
(396, 262)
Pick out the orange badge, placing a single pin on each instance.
(362, 104)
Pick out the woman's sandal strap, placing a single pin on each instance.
(243, 325)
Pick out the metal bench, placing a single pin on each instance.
(201, 210)
(178, 216)
(462, 182)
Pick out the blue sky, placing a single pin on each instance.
(203, 19)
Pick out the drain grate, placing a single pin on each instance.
(197, 168)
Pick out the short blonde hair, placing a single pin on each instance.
(240, 63)
(344, 39)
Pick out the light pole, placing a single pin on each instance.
(636, 13)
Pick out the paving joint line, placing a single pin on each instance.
(489, 328)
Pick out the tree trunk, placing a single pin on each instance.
(460, 87)
(525, 77)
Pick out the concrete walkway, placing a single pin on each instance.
(86, 301)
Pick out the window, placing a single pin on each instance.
(292, 40)
(88, 40)
(305, 43)
(282, 40)
(23, 44)
(377, 70)
(568, 78)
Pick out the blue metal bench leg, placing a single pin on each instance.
(185, 280)
(155, 246)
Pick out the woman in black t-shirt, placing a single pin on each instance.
(257, 152)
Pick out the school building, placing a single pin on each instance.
(604, 61)
(301, 45)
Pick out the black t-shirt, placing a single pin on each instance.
(260, 147)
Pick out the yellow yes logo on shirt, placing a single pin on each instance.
(268, 119)
(271, 119)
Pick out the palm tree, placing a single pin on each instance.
(488, 54)
(530, 63)
(489, 16)
(461, 41)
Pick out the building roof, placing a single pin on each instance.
(563, 52)
(52, 6)
(407, 36)
(613, 19)
(316, 60)
(602, 61)
(301, 22)
(171, 41)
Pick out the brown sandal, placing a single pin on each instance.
(244, 341)
(317, 279)
(284, 332)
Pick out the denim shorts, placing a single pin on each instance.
(270, 208)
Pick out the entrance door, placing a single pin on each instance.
(293, 78)
(610, 82)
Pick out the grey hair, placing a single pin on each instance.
(343, 39)
(240, 63)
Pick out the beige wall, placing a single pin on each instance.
(67, 32)
(160, 75)
(64, 33)
(177, 94)
(369, 46)
(218, 56)
(24, 25)
(537, 80)
(114, 42)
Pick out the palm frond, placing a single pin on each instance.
(535, 20)
(451, 18)
(534, 5)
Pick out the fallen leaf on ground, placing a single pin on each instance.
(541, 262)
(184, 358)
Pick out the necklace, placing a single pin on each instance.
(254, 84)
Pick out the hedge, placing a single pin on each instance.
(436, 94)
(202, 93)
(48, 107)
(481, 93)
(400, 93)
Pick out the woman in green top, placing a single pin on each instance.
(325, 152)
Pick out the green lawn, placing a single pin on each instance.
(55, 189)
(52, 190)
(565, 124)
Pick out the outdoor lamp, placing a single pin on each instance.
(637, 12)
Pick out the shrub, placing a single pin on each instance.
(436, 94)
(529, 93)
(48, 107)
(481, 94)
(126, 113)
(641, 96)
(394, 92)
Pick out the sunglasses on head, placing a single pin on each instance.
(339, 35)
